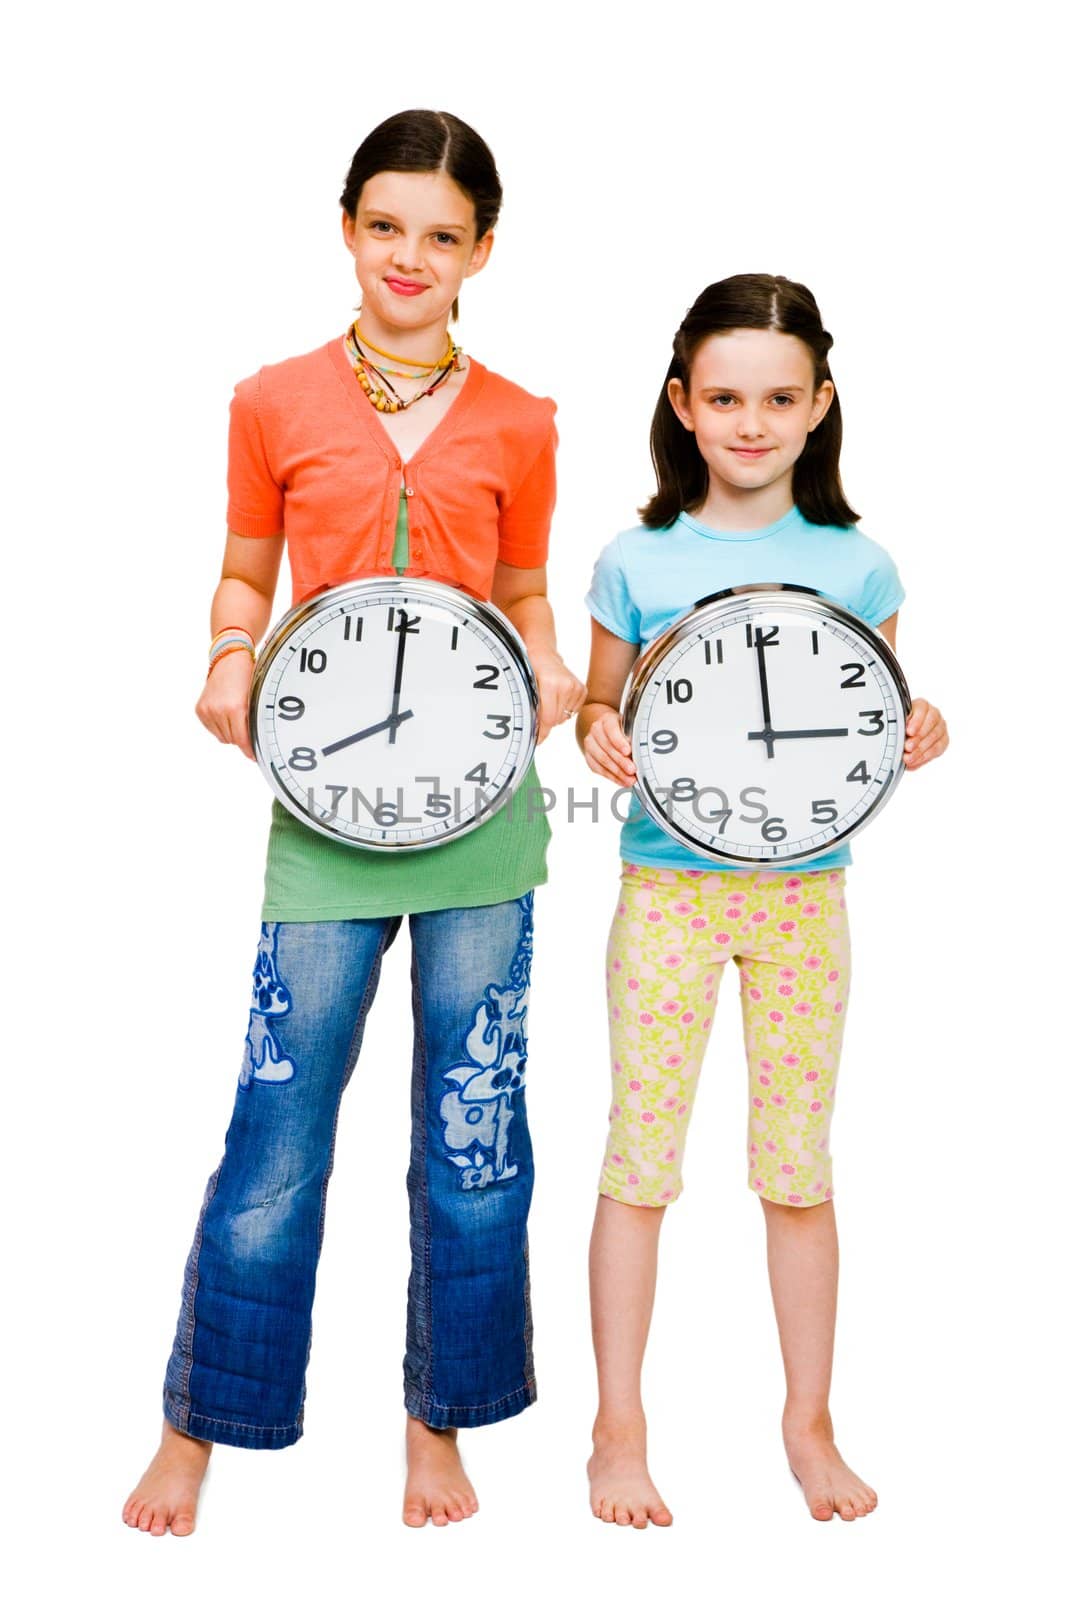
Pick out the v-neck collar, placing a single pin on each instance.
(371, 421)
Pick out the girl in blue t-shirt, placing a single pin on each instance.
(746, 440)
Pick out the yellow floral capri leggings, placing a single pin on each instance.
(673, 934)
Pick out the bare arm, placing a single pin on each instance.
(243, 599)
(599, 729)
(926, 735)
(522, 594)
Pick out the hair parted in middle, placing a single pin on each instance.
(747, 300)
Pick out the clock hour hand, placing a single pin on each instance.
(392, 722)
(803, 733)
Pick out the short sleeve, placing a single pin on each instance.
(609, 597)
(256, 501)
(882, 588)
(527, 516)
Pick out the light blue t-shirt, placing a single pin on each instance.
(648, 577)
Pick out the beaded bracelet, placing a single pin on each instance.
(227, 637)
(231, 633)
(229, 650)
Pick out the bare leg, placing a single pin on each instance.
(802, 1261)
(438, 1490)
(167, 1494)
(622, 1285)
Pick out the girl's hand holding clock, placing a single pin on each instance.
(243, 600)
(925, 736)
(223, 703)
(521, 593)
(559, 691)
(603, 743)
(606, 748)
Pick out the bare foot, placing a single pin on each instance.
(828, 1484)
(167, 1494)
(438, 1490)
(620, 1489)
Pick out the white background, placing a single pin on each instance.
(172, 223)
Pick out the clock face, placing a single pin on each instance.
(767, 725)
(392, 714)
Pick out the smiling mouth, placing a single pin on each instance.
(405, 286)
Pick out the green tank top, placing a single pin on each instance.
(311, 878)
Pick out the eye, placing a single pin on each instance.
(721, 401)
(781, 401)
(445, 238)
(385, 227)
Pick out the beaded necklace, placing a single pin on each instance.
(373, 379)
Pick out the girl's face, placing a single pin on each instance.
(413, 241)
(751, 404)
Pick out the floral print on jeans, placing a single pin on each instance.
(672, 935)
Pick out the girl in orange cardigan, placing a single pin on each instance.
(385, 451)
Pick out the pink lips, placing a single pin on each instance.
(751, 455)
(402, 286)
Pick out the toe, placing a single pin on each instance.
(414, 1514)
(622, 1516)
(639, 1519)
(438, 1515)
(158, 1525)
(183, 1522)
(846, 1511)
(144, 1521)
(822, 1510)
(661, 1517)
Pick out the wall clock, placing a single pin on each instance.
(393, 714)
(767, 725)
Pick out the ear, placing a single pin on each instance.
(480, 254)
(348, 228)
(824, 395)
(680, 403)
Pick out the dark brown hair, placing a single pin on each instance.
(429, 141)
(748, 300)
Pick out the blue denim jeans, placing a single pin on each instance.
(237, 1369)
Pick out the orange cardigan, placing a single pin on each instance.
(309, 457)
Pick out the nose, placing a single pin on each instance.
(407, 256)
(749, 422)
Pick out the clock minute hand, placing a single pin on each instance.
(767, 733)
(398, 675)
(392, 722)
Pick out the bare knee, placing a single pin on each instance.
(774, 1210)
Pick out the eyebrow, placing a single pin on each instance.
(776, 388)
(435, 227)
